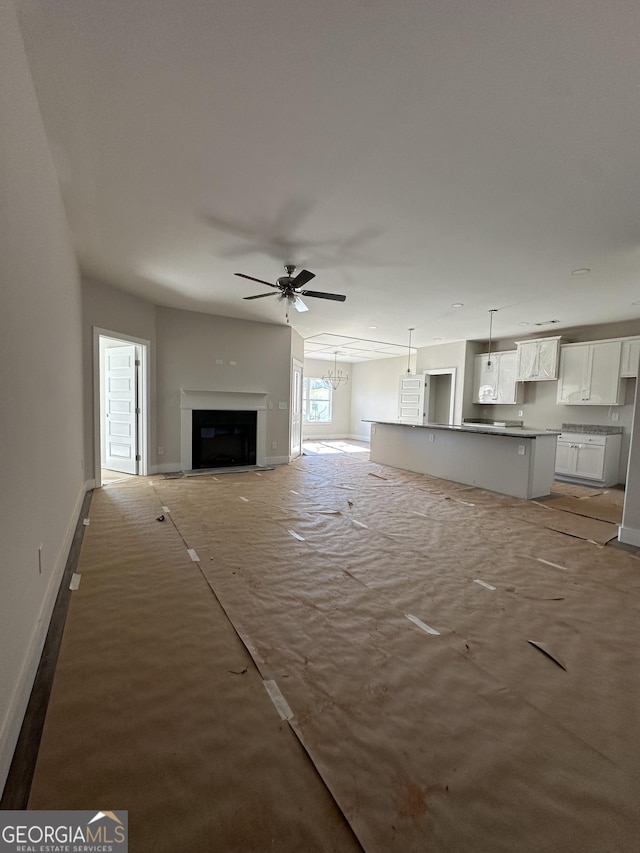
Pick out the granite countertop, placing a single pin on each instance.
(592, 429)
(481, 429)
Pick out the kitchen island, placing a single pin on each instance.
(512, 461)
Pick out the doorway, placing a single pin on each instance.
(120, 406)
(439, 395)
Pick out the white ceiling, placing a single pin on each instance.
(412, 153)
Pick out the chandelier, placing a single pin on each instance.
(336, 378)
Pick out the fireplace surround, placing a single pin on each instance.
(222, 402)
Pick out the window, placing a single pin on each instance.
(316, 401)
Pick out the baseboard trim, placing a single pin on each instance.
(629, 536)
(20, 736)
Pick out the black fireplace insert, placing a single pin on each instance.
(223, 439)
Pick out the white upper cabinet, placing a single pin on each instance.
(495, 379)
(630, 357)
(537, 359)
(589, 374)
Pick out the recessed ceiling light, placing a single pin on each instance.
(372, 327)
(457, 304)
(437, 339)
(523, 324)
(582, 271)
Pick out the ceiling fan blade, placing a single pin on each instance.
(302, 278)
(298, 304)
(260, 295)
(337, 297)
(259, 280)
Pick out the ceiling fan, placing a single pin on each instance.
(287, 287)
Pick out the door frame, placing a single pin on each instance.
(443, 371)
(143, 421)
(295, 363)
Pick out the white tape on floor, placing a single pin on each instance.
(86, 521)
(166, 509)
(75, 581)
(555, 565)
(246, 500)
(422, 625)
(421, 514)
(293, 492)
(278, 700)
(360, 524)
(193, 555)
(296, 535)
(485, 585)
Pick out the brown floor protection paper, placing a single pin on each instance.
(395, 614)
(605, 507)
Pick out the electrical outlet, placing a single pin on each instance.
(160, 451)
(431, 436)
(614, 416)
(521, 449)
(274, 445)
(270, 404)
(233, 363)
(520, 413)
(219, 361)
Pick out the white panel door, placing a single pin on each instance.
(120, 404)
(411, 398)
(296, 410)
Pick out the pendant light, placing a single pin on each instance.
(492, 311)
(336, 378)
(409, 354)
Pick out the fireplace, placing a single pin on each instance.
(225, 404)
(223, 438)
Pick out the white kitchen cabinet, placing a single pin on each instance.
(589, 374)
(537, 359)
(495, 379)
(630, 357)
(583, 456)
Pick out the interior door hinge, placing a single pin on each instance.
(137, 362)
(138, 457)
(138, 410)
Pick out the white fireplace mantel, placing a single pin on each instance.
(240, 401)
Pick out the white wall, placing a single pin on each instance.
(188, 346)
(41, 452)
(340, 426)
(374, 394)
(442, 356)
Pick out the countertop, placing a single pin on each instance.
(483, 429)
(593, 429)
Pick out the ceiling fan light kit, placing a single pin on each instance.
(288, 288)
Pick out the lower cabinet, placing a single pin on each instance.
(583, 456)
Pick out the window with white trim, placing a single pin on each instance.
(316, 401)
